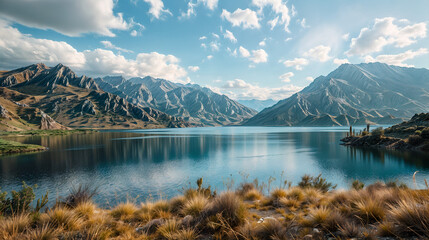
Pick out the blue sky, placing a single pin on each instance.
(232, 47)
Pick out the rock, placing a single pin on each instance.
(151, 226)
(263, 219)
(4, 113)
(47, 123)
(186, 221)
(308, 237)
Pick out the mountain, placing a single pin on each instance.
(353, 94)
(256, 104)
(191, 102)
(41, 97)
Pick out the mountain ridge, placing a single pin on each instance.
(367, 93)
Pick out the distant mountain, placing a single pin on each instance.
(256, 104)
(38, 96)
(353, 94)
(191, 102)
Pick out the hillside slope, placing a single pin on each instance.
(363, 93)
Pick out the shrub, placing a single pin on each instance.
(15, 224)
(316, 182)
(21, 200)
(61, 217)
(370, 210)
(378, 132)
(415, 140)
(357, 185)
(425, 133)
(253, 194)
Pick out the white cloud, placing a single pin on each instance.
(262, 43)
(203, 45)
(298, 63)
(288, 39)
(385, 32)
(345, 36)
(214, 46)
(303, 23)
(157, 8)
(210, 4)
(215, 35)
(279, 7)
(245, 18)
(309, 79)
(229, 35)
(193, 68)
(134, 33)
(71, 18)
(232, 52)
(209, 57)
(273, 23)
(109, 45)
(339, 61)
(203, 38)
(244, 52)
(286, 77)
(259, 56)
(319, 53)
(398, 59)
(17, 49)
(240, 89)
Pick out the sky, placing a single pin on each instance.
(245, 49)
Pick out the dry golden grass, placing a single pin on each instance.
(124, 211)
(195, 205)
(368, 213)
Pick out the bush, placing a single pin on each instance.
(357, 185)
(80, 194)
(425, 133)
(378, 132)
(415, 140)
(316, 182)
(21, 201)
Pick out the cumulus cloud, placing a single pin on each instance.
(203, 38)
(257, 56)
(193, 68)
(229, 35)
(309, 79)
(398, 59)
(109, 45)
(232, 52)
(157, 8)
(297, 63)
(71, 18)
(303, 23)
(245, 18)
(339, 61)
(286, 77)
(240, 89)
(209, 57)
(263, 43)
(244, 52)
(17, 49)
(134, 33)
(319, 53)
(210, 4)
(385, 32)
(279, 7)
(345, 36)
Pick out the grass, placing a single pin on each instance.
(372, 212)
(44, 132)
(9, 147)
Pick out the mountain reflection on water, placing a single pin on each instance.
(161, 162)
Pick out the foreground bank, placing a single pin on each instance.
(310, 210)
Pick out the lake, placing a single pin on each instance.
(161, 162)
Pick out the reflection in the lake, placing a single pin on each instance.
(161, 162)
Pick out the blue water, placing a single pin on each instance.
(159, 163)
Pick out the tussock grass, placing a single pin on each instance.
(298, 212)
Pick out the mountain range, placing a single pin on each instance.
(41, 97)
(374, 93)
(256, 104)
(191, 102)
